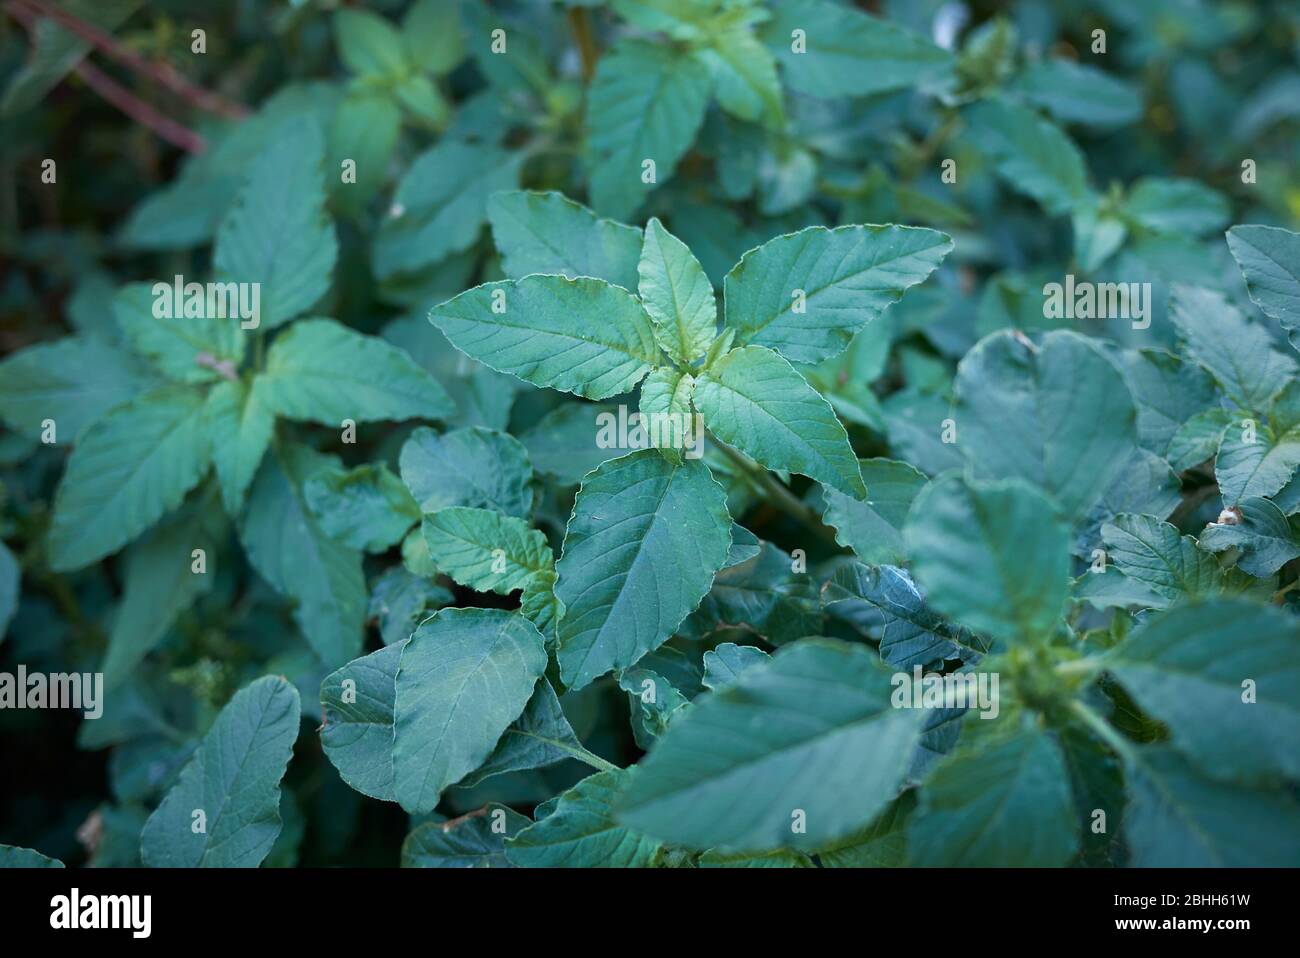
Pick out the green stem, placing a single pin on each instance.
(1104, 731)
(580, 24)
(1085, 666)
(591, 758)
(777, 493)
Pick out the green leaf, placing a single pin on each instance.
(882, 844)
(1176, 206)
(368, 44)
(132, 468)
(241, 425)
(1077, 93)
(666, 412)
(485, 550)
(848, 53)
(289, 549)
(728, 661)
(549, 233)
(677, 295)
(1168, 393)
(1198, 439)
(744, 546)
(807, 294)
(482, 468)
(873, 527)
(1261, 535)
(365, 508)
(1179, 819)
(10, 581)
(642, 546)
(580, 832)
(401, 600)
(1058, 415)
(476, 840)
(1003, 798)
(234, 779)
(357, 730)
(582, 336)
(911, 633)
(754, 400)
(1269, 258)
(74, 381)
(13, 857)
(320, 371)
(434, 35)
(565, 442)
(440, 205)
(994, 556)
(541, 736)
(160, 583)
(763, 595)
(744, 75)
(465, 675)
(811, 732)
(1238, 354)
(1259, 464)
(1222, 676)
(1032, 154)
(186, 349)
(646, 102)
(365, 130)
(278, 234)
(782, 858)
(1157, 556)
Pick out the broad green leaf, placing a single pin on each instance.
(807, 294)
(580, 832)
(677, 295)
(482, 468)
(1032, 154)
(682, 19)
(485, 550)
(434, 34)
(1077, 93)
(441, 205)
(754, 400)
(1162, 560)
(728, 661)
(234, 780)
(847, 53)
(1003, 798)
(1238, 354)
(994, 556)
(581, 336)
(911, 634)
(811, 732)
(540, 736)
(549, 233)
(665, 410)
(368, 44)
(14, 857)
(278, 234)
(483, 397)
(744, 75)
(161, 582)
(1177, 206)
(882, 844)
(74, 381)
(654, 702)
(132, 468)
(646, 102)
(184, 348)
(1058, 415)
(1257, 459)
(1199, 438)
(476, 840)
(873, 527)
(782, 858)
(290, 550)
(365, 508)
(1259, 532)
(1178, 819)
(1222, 676)
(642, 546)
(465, 675)
(321, 371)
(365, 130)
(1269, 258)
(357, 730)
(744, 546)
(763, 595)
(241, 425)
(1168, 393)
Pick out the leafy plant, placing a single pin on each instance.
(891, 464)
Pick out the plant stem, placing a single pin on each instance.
(164, 74)
(580, 24)
(1104, 731)
(777, 493)
(139, 111)
(1084, 666)
(591, 758)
